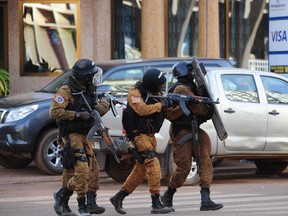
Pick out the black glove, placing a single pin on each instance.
(167, 103)
(83, 115)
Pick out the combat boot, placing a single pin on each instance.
(206, 203)
(92, 207)
(82, 209)
(167, 198)
(117, 200)
(157, 207)
(66, 209)
(59, 197)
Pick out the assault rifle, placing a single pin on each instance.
(184, 99)
(100, 129)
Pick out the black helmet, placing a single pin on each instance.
(85, 69)
(181, 69)
(153, 79)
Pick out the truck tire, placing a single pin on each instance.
(14, 163)
(270, 167)
(119, 172)
(46, 156)
(192, 178)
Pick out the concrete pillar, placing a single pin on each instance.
(102, 38)
(208, 29)
(153, 28)
(95, 25)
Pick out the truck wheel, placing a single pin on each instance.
(269, 167)
(46, 157)
(14, 163)
(192, 178)
(119, 172)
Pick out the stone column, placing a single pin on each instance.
(208, 29)
(153, 29)
(102, 19)
(95, 28)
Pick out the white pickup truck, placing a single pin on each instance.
(253, 106)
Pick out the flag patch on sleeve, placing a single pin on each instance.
(135, 99)
(59, 99)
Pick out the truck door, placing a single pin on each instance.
(276, 91)
(243, 114)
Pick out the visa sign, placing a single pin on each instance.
(279, 36)
(278, 40)
(278, 29)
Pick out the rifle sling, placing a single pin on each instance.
(193, 135)
(185, 138)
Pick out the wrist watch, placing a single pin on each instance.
(77, 115)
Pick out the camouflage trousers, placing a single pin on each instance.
(183, 153)
(150, 169)
(85, 175)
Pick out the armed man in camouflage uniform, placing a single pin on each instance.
(81, 172)
(184, 151)
(149, 117)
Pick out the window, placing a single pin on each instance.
(122, 80)
(49, 36)
(240, 88)
(276, 90)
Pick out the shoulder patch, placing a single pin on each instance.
(135, 99)
(59, 99)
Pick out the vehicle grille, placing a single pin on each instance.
(2, 112)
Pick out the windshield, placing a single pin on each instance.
(53, 86)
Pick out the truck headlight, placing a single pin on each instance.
(20, 113)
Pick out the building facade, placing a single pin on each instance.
(42, 38)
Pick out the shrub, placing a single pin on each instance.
(4, 82)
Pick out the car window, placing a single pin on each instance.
(276, 90)
(239, 87)
(122, 80)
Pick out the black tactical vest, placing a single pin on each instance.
(149, 124)
(77, 125)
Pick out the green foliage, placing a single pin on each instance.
(4, 82)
